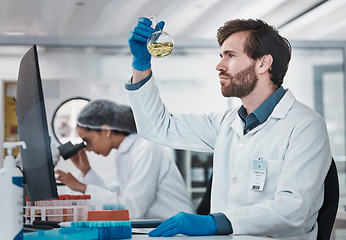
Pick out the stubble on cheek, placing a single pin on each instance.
(240, 84)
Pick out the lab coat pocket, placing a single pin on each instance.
(260, 189)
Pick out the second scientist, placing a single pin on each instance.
(146, 178)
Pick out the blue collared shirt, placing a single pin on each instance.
(261, 114)
(135, 86)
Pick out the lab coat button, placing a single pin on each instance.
(234, 180)
(241, 145)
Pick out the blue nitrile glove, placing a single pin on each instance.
(138, 43)
(186, 223)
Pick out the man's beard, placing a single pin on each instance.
(241, 83)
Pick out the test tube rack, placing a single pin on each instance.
(66, 208)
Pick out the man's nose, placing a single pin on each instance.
(220, 66)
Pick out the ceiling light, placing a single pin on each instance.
(309, 18)
(13, 33)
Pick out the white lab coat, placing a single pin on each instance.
(146, 178)
(293, 141)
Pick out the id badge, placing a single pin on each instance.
(258, 174)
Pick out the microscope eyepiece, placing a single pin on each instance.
(68, 149)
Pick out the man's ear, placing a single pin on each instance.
(265, 63)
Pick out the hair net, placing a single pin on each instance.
(99, 112)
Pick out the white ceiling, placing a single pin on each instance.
(106, 23)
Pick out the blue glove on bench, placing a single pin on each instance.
(186, 223)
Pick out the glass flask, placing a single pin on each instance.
(160, 43)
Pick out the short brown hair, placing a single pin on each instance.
(262, 39)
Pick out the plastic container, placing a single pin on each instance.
(108, 215)
(95, 230)
(11, 196)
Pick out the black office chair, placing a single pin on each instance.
(326, 215)
(204, 206)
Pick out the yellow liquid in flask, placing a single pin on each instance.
(160, 49)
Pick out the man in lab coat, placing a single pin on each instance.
(271, 154)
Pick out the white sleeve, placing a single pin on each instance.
(91, 178)
(196, 132)
(100, 192)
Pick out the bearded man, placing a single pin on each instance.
(271, 154)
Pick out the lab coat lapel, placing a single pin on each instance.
(284, 106)
(238, 126)
(280, 111)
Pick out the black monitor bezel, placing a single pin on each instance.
(38, 168)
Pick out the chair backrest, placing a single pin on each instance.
(327, 213)
(204, 206)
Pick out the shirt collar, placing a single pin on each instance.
(266, 108)
(127, 142)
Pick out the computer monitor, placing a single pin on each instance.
(38, 168)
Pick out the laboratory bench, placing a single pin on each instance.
(141, 234)
(216, 237)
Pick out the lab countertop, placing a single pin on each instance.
(217, 237)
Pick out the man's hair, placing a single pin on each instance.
(262, 39)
